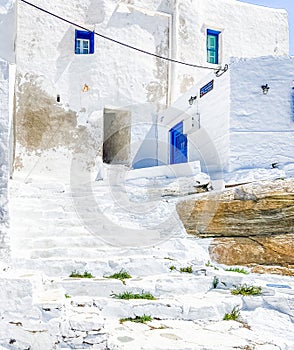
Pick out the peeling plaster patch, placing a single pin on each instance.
(187, 83)
(42, 124)
(158, 89)
(154, 91)
(183, 29)
(18, 163)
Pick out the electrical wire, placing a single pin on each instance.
(118, 42)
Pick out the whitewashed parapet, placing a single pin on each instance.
(4, 163)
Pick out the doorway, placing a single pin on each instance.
(178, 144)
(116, 136)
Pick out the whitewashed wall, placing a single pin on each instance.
(6, 109)
(118, 77)
(261, 126)
(240, 127)
(7, 29)
(210, 142)
(247, 31)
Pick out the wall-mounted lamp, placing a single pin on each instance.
(192, 99)
(265, 89)
(85, 88)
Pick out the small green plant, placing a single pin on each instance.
(172, 268)
(129, 295)
(244, 289)
(76, 274)
(187, 269)
(137, 319)
(67, 296)
(237, 269)
(233, 315)
(209, 264)
(121, 275)
(215, 282)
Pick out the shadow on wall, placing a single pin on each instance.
(147, 155)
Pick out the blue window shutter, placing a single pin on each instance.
(92, 40)
(212, 45)
(83, 34)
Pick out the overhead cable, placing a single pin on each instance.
(116, 41)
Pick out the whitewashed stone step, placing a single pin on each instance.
(160, 285)
(98, 266)
(48, 242)
(49, 230)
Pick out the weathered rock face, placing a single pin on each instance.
(248, 210)
(270, 251)
(253, 224)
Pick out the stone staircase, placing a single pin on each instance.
(56, 228)
(53, 234)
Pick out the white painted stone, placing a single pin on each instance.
(84, 322)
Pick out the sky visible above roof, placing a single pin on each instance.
(280, 4)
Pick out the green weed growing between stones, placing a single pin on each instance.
(137, 319)
(121, 275)
(76, 274)
(215, 282)
(245, 290)
(233, 315)
(187, 269)
(237, 269)
(129, 295)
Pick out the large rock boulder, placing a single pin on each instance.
(252, 224)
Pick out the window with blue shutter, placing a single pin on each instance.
(84, 42)
(212, 46)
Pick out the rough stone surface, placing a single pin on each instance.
(249, 210)
(253, 224)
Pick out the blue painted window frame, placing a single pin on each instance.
(84, 35)
(178, 155)
(212, 50)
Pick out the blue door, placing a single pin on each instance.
(178, 144)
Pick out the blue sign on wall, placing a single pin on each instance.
(206, 88)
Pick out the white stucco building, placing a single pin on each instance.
(243, 119)
(81, 94)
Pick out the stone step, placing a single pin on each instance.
(197, 306)
(49, 231)
(94, 262)
(166, 285)
(100, 262)
(49, 242)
